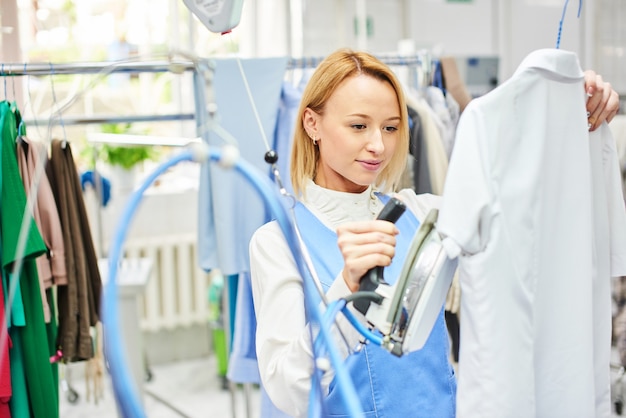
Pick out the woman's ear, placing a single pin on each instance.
(309, 121)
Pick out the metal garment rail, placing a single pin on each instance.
(41, 69)
(174, 66)
(123, 67)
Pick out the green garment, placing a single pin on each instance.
(18, 404)
(52, 331)
(14, 197)
(41, 385)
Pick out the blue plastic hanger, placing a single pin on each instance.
(558, 38)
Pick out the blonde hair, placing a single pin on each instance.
(331, 72)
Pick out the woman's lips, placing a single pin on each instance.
(370, 165)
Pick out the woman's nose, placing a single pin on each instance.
(375, 142)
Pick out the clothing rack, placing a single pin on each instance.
(391, 60)
(174, 66)
(46, 69)
(118, 67)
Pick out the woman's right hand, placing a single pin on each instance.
(365, 245)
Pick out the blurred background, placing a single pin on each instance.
(183, 313)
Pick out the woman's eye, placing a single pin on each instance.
(390, 128)
(359, 127)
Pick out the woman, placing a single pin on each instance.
(350, 148)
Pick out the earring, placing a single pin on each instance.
(314, 140)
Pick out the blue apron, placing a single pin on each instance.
(418, 384)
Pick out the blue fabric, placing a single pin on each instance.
(438, 76)
(19, 398)
(88, 177)
(236, 208)
(419, 384)
(287, 113)
(207, 239)
(230, 210)
(242, 365)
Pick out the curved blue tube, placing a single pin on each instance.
(369, 335)
(123, 386)
(266, 189)
(125, 392)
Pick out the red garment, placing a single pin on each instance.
(5, 368)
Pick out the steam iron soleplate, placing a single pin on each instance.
(422, 287)
(414, 302)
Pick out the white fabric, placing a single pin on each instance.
(532, 206)
(284, 353)
(436, 152)
(448, 113)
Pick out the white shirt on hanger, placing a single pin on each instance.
(532, 206)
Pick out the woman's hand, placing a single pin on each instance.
(365, 245)
(603, 102)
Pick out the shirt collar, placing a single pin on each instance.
(554, 63)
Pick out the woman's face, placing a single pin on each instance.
(357, 134)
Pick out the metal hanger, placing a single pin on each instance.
(58, 111)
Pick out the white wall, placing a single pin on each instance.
(455, 28)
(330, 24)
(534, 24)
(509, 29)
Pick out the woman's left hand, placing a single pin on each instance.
(603, 102)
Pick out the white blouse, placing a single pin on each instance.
(282, 339)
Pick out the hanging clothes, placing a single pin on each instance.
(242, 363)
(285, 126)
(39, 378)
(447, 111)
(5, 364)
(418, 149)
(533, 208)
(79, 300)
(436, 153)
(51, 265)
(229, 219)
(454, 84)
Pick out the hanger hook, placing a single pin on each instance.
(5, 82)
(13, 86)
(54, 100)
(558, 37)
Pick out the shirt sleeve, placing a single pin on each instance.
(283, 339)
(615, 202)
(465, 213)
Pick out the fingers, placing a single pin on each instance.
(606, 112)
(595, 94)
(385, 227)
(612, 105)
(603, 101)
(365, 245)
(590, 82)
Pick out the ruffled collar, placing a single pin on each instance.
(334, 208)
